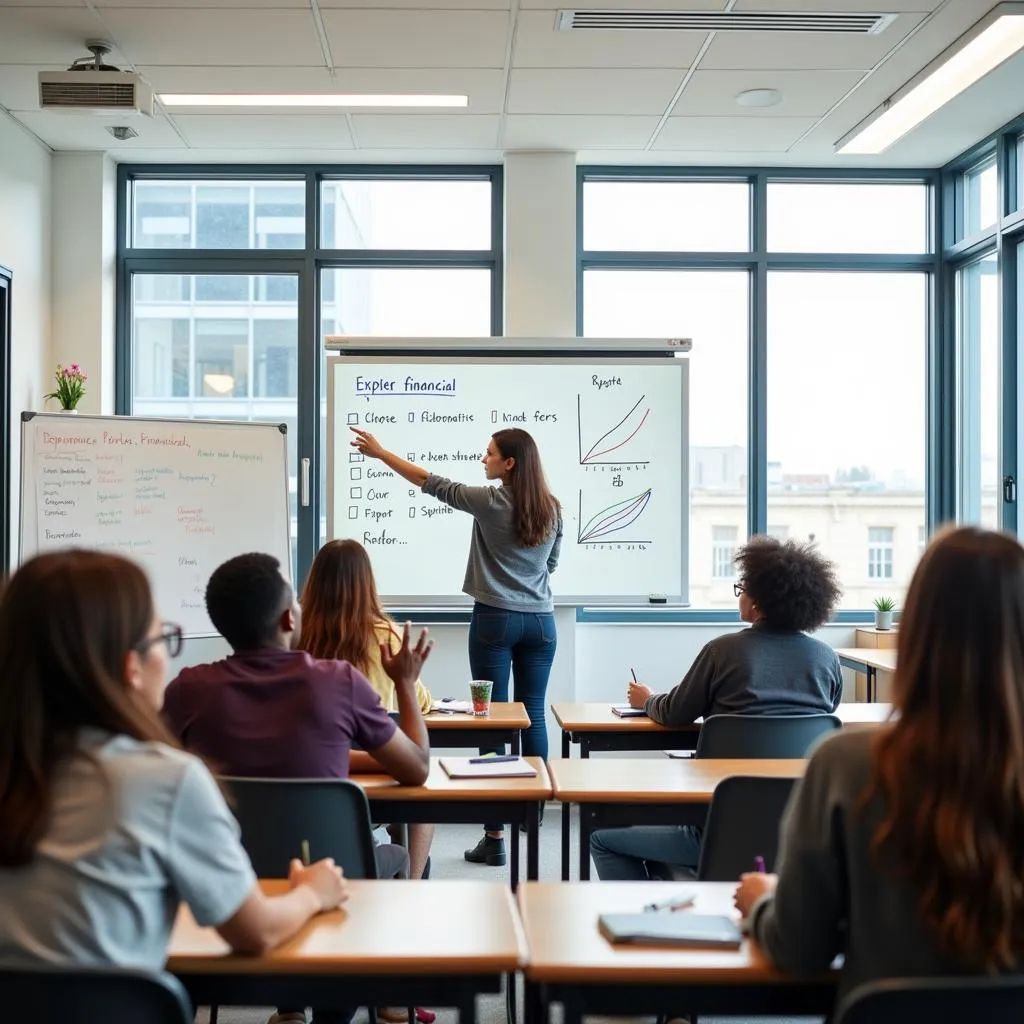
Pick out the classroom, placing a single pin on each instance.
(791, 231)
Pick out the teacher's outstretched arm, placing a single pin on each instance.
(369, 446)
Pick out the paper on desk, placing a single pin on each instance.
(460, 768)
(626, 711)
(462, 707)
(679, 754)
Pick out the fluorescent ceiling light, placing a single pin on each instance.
(309, 100)
(984, 53)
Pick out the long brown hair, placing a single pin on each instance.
(68, 620)
(340, 607)
(534, 507)
(950, 770)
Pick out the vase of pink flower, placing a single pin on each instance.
(71, 381)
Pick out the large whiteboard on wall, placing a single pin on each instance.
(177, 496)
(613, 437)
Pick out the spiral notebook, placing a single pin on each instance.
(668, 928)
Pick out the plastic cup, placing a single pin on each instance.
(480, 695)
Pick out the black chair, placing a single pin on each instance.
(84, 995)
(278, 815)
(936, 1000)
(785, 736)
(742, 824)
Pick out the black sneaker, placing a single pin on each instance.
(489, 851)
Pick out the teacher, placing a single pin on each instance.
(517, 534)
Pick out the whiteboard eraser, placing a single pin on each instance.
(657, 599)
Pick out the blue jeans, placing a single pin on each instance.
(621, 854)
(522, 643)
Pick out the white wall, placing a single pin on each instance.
(25, 175)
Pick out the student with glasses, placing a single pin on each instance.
(107, 825)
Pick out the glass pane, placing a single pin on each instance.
(205, 362)
(846, 421)
(1020, 173)
(405, 214)
(666, 216)
(847, 217)
(981, 197)
(218, 215)
(978, 391)
(712, 308)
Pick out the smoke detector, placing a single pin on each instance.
(92, 86)
(122, 132)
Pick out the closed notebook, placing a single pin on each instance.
(625, 711)
(668, 928)
(490, 768)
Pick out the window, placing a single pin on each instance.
(880, 548)
(1018, 155)
(848, 217)
(666, 216)
(981, 197)
(778, 532)
(723, 552)
(922, 539)
(711, 307)
(846, 414)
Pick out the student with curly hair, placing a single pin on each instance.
(786, 589)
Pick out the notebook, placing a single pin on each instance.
(625, 711)
(668, 928)
(460, 768)
(451, 706)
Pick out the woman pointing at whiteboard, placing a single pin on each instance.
(517, 534)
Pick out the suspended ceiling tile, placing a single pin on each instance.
(610, 92)
(732, 134)
(89, 132)
(804, 93)
(576, 132)
(426, 131)
(279, 133)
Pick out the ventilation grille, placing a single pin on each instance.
(87, 94)
(726, 21)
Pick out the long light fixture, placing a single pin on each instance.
(172, 99)
(994, 43)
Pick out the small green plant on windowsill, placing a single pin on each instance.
(884, 608)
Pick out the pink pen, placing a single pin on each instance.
(759, 865)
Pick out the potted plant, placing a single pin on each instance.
(70, 387)
(884, 607)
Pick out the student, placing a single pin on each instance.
(107, 824)
(902, 848)
(517, 535)
(785, 590)
(342, 619)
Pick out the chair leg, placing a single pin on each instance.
(213, 1014)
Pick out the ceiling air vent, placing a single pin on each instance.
(725, 21)
(95, 87)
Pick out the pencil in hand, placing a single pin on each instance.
(305, 853)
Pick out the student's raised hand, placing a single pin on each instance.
(324, 877)
(366, 443)
(753, 885)
(638, 694)
(404, 666)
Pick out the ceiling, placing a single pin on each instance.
(610, 96)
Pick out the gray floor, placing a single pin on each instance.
(447, 862)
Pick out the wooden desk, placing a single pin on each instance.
(593, 726)
(394, 942)
(645, 791)
(870, 661)
(441, 800)
(503, 725)
(572, 963)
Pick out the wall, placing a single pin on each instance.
(25, 196)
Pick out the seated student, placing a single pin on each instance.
(785, 590)
(342, 619)
(903, 848)
(106, 824)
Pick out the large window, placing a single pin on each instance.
(981, 197)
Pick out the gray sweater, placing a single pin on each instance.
(833, 896)
(501, 572)
(754, 672)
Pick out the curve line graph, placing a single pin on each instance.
(611, 521)
(617, 437)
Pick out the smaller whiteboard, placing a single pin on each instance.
(178, 496)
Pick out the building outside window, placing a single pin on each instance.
(880, 549)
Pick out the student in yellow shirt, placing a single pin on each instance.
(342, 618)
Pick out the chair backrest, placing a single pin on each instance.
(277, 815)
(947, 1000)
(742, 824)
(84, 995)
(762, 735)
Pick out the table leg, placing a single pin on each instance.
(510, 998)
(517, 742)
(566, 820)
(533, 1005)
(513, 849)
(872, 683)
(585, 830)
(533, 812)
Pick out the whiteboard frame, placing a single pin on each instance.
(477, 354)
(30, 417)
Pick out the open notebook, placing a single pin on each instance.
(668, 928)
(487, 768)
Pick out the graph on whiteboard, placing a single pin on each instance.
(613, 434)
(619, 523)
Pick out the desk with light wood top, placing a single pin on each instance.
(393, 943)
(645, 791)
(593, 726)
(570, 962)
(503, 725)
(442, 800)
(870, 661)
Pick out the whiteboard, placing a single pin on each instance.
(178, 496)
(613, 438)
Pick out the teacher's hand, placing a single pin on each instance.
(367, 444)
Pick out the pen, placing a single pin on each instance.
(305, 852)
(633, 674)
(759, 865)
(494, 760)
(673, 902)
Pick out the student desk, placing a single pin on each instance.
(504, 724)
(632, 791)
(571, 963)
(869, 660)
(441, 800)
(433, 943)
